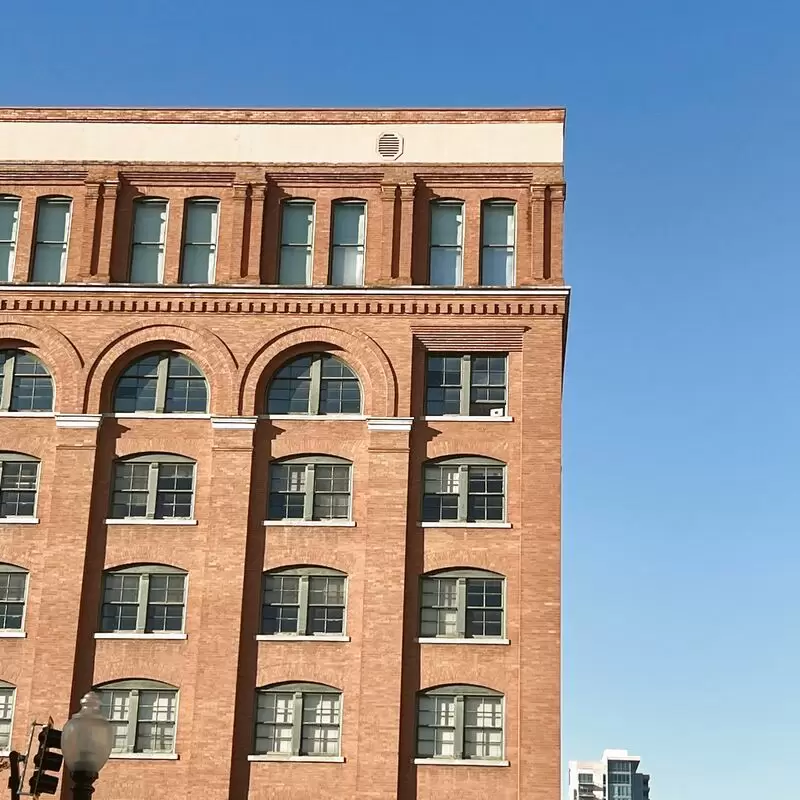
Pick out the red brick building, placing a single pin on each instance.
(280, 447)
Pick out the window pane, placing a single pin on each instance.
(497, 267)
(32, 386)
(146, 263)
(6, 717)
(498, 224)
(287, 491)
(445, 266)
(155, 731)
(115, 707)
(340, 392)
(12, 600)
(295, 266)
(9, 218)
(347, 268)
(484, 607)
(483, 727)
(174, 491)
(290, 389)
(52, 222)
(198, 263)
(331, 492)
(348, 223)
(320, 731)
(439, 607)
(280, 610)
(165, 603)
(47, 263)
(201, 222)
(326, 605)
(436, 726)
(297, 223)
(137, 386)
(443, 385)
(446, 224)
(18, 488)
(130, 490)
(186, 391)
(149, 222)
(347, 262)
(274, 721)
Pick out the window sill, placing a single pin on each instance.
(461, 762)
(12, 634)
(464, 525)
(456, 418)
(443, 640)
(151, 636)
(141, 521)
(19, 520)
(263, 637)
(317, 417)
(27, 413)
(307, 759)
(154, 415)
(310, 523)
(145, 756)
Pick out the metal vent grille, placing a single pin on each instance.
(390, 146)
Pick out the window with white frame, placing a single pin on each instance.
(498, 239)
(304, 601)
(446, 243)
(161, 383)
(298, 719)
(148, 598)
(310, 488)
(7, 696)
(19, 481)
(460, 722)
(153, 486)
(315, 383)
(25, 383)
(9, 227)
(348, 243)
(200, 227)
(466, 384)
(297, 237)
(13, 591)
(51, 239)
(464, 489)
(462, 604)
(142, 714)
(148, 240)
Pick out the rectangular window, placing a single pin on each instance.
(307, 605)
(297, 230)
(52, 236)
(315, 491)
(463, 493)
(12, 600)
(460, 384)
(200, 241)
(9, 225)
(6, 716)
(149, 238)
(303, 723)
(461, 607)
(347, 244)
(497, 244)
(153, 490)
(18, 482)
(143, 602)
(446, 244)
(142, 720)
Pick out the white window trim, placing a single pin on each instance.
(475, 640)
(187, 205)
(145, 756)
(142, 521)
(318, 417)
(19, 520)
(155, 415)
(299, 201)
(456, 418)
(291, 637)
(307, 759)
(9, 634)
(309, 523)
(501, 201)
(143, 200)
(453, 524)
(125, 635)
(68, 224)
(31, 414)
(461, 762)
(448, 201)
(15, 241)
(336, 203)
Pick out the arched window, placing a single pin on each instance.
(9, 228)
(315, 383)
(142, 714)
(498, 240)
(310, 488)
(19, 482)
(460, 723)
(162, 383)
(25, 383)
(148, 239)
(7, 696)
(447, 243)
(200, 230)
(297, 238)
(153, 486)
(298, 719)
(465, 489)
(348, 241)
(304, 601)
(462, 604)
(147, 598)
(51, 239)
(13, 593)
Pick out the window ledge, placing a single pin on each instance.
(307, 759)
(456, 418)
(443, 640)
(151, 636)
(461, 762)
(27, 413)
(12, 634)
(19, 520)
(5, 753)
(464, 525)
(310, 523)
(142, 521)
(317, 417)
(264, 637)
(145, 756)
(154, 415)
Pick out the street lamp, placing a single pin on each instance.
(86, 744)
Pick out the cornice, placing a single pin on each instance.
(326, 177)
(43, 174)
(171, 177)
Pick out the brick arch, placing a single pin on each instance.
(498, 449)
(209, 352)
(359, 350)
(58, 354)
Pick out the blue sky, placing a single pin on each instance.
(682, 427)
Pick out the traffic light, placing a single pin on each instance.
(46, 761)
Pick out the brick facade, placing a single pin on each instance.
(239, 331)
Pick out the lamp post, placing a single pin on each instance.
(86, 744)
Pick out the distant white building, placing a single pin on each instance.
(615, 777)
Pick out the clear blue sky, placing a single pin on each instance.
(682, 427)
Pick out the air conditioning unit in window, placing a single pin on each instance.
(497, 412)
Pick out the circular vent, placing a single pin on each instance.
(390, 146)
